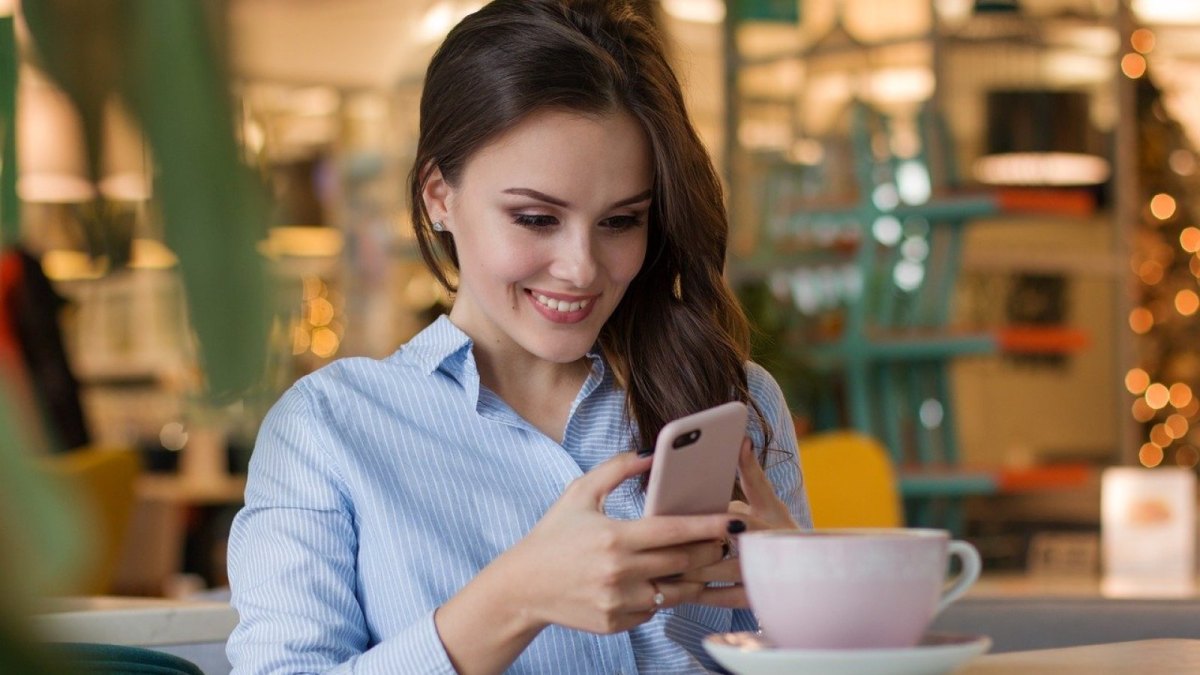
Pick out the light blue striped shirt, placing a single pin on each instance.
(379, 488)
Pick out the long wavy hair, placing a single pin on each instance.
(678, 341)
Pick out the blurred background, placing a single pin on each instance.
(965, 229)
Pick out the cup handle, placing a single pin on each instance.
(971, 566)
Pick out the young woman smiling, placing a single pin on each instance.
(473, 502)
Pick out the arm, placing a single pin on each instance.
(579, 569)
(292, 558)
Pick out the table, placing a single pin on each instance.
(1022, 613)
(1141, 657)
(194, 630)
(1020, 585)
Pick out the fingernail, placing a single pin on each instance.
(736, 527)
(645, 452)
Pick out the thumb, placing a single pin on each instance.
(596, 484)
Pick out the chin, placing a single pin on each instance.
(562, 351)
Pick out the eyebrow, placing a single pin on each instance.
(543, 197)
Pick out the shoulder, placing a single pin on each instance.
(350, 379)
(764, 390)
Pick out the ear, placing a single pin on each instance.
(436, 193)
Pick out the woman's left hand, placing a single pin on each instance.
(762, 510)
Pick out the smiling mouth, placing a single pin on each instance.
(560, 305)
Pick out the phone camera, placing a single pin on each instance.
(684, 440)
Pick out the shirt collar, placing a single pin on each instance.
(443, 345)
(440, 344)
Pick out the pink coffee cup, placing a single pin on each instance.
(851, 588)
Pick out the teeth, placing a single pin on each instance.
(560, 305)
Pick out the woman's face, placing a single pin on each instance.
(549, 221)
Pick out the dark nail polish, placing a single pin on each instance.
(736, 527)
(645, 452)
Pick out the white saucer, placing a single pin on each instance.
(751, 654)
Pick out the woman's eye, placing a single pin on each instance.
(622, 222)
(534, 221)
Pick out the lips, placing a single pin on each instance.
(562, 308)
(560, 305)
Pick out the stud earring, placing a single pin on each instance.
(437, 226)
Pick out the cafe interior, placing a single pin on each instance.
(966, 234)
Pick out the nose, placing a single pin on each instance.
(575, 262)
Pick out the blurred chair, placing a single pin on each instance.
(104, 659)
(103, 482)
(850, 481)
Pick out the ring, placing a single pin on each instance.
(659, 598)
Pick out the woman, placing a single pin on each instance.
(471, 502)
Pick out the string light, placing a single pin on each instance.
(1189, 239)
(1150, 272)
(1157, 396)
(1162, 206)
(1150, 455)
(1133, 65)
(1181, 395)
(1136, 381)
(1142, 40)
(1160, 436)
(1141, 320)
(1187, 302)
(1177, 426)
(1142, 411)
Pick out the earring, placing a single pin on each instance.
(437, 226)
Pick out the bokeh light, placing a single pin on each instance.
(1150, 455)
(1160, 436)
(1177, 426)
(1162, 206)
(1141, 320)
(1142, 411)
(1181, 395)
(1157, 396)
(1142, 40)
(1136, 381)
(1192, 409)
(1133, 65)
(1189, 239)
(1150, 272)
(1187, 302)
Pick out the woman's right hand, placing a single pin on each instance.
(581, 569)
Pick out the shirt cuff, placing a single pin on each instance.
(416, 649)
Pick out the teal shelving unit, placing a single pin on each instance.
(897, 246)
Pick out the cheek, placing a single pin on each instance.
(507, 263)
(627, 262)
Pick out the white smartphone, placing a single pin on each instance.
(695, 462)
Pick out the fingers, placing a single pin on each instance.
(678, 592)
(663, 531)
(752, 478)
(727, 571)
(595, 485)
(677, 560)
(733, 597)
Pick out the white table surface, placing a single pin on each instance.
(142, 622)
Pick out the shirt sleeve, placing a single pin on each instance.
(783, 460)
(292, 561)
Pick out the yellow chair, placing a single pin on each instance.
(102, 483)
(850, 481)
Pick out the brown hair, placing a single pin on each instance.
(678, 341)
